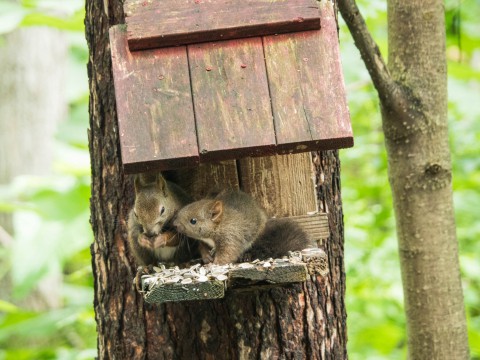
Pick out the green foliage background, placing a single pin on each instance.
(57, 208)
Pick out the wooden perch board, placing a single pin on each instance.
(155, 23)
(181, 106)
(279, 274)
(252, 277)
(186, 292)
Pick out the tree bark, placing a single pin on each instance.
(298, 321)
(413, 94)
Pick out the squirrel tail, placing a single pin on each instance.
(278, 238)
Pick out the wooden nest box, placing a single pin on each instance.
(200, 81)
(209, 80)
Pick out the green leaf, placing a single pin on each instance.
(7, 307)
(73, 23)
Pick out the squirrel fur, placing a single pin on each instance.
(151, 236)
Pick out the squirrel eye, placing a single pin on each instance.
(162, 210)
(193, 221)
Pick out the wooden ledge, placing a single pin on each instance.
(212, 281)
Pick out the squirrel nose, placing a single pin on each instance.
(149, 234)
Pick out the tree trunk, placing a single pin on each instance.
(413, 94)
(298, 321)
(32, 103)
(420, 174)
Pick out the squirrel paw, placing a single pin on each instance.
(167, 238)
(160, 241)
(145, 242)
(207, 254)
(142, 270)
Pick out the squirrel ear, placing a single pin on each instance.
(144, 180)
(138, 183)
(161, 183)
(216, 211)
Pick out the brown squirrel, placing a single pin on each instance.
(233, 223)
(150, 234)
(230, 223)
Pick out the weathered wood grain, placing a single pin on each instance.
(307, 89)
(153, 24)
(282, 184)
(316, 225)
(174, 293)
(154, 105)
(251, 279)
(232, 103)
(251, 97)
(277, 274)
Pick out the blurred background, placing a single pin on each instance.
(46, 285)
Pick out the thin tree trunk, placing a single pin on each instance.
(299, 321)
(32, 103)
(413, 94)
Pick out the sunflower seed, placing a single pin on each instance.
(245, 266)
(202, 278)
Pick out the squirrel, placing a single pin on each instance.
(151, 236)
(230, 222)
(234, 224)
(278, 238)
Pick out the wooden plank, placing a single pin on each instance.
(282, 184)
(307, 89)
(188, 292)
(316, 225)
(231, 99)
(277, 274)
(154, 106)
(153, 24)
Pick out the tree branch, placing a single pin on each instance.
(368, 49)
(394, 97)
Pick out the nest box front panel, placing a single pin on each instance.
(232, 102)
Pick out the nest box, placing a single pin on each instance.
(209, 80)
